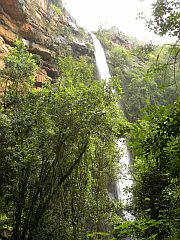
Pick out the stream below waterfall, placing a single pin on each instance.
(125, 178)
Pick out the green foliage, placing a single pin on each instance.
(147, 74)
(166, 18)
(150, 80)
(57, 152)
(57, 3)
(97, 235)
(19, 64)
(19, 71)
(156, 167)
(155, 146)
(139, 229)
(55, 8)
(166, 70)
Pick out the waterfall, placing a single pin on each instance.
(126, 179)
(100, 57)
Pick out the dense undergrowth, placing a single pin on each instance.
(58, 151)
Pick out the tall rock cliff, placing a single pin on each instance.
(46, 28)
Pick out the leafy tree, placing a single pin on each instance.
(155, 146)
(150, 77)
(166, 18)
(58, 151)
(20, 67)
(156, 192)
(147, 73)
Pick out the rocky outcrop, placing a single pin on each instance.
(3, 52)
(44, 30)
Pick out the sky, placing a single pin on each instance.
(92, 14)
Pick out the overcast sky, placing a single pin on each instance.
(91, 14)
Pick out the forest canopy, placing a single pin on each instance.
(59, 152)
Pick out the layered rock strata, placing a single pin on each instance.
(45, 31)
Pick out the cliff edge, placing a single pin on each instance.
(46, 28)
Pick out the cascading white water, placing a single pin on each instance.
(125, 180)
(100, 57)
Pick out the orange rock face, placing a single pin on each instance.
(3, 52)
(8, 28)
(17, 20)
(41, 77)
(44, 32)
(11, 8)
(26, 27)
(26, 20)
